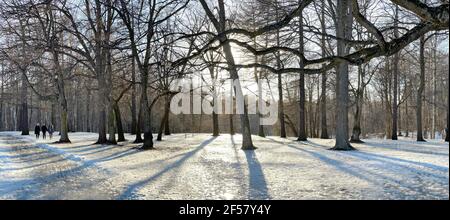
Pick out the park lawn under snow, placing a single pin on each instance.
(199, 166)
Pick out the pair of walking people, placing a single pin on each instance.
(44, 129)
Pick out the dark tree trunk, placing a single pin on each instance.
(232, 132)
(133, 98)
(281, 107)
(323, 97)
(146, 114)
(359, 105)
(139, 124)
(280, 84)
(357, 125)
(88, 110)
(395, 88)
(24, 127)
(2, 125)
(120, 132)
(161, 127)
(420, 91)
(167, 121)
(323, 110)
(447, 137)
(301, 119)
(406, 118)
(215, 118)
(64, 127)
(220, 25)
(101, 123)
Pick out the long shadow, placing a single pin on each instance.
(333, 162)
(359, 172)
(90, 148)
(406, 149)
(76, 170)
(36, 159)
(238, 161)
(372, 156)
(282, 142)
(382, 158)
(128, 193)
(31, 166)
(257, 182)
(21, 156)
(96, 150)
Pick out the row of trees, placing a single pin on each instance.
(109, 65)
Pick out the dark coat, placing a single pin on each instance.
(44, 129)
(37, 130)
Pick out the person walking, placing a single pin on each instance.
(37, 130)
(44, 131)
(50, 131)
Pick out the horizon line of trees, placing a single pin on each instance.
(108, 66)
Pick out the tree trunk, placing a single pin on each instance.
(260, 94)
(232, 131)
(357, 123)
(420, 91)
(343, 31)
(323, 110)
(395, 87)
(247, 143)
(167, 121)
(146, 113)
(133, 97)
(323, 99)
(120, 132)
(215, 116)
(88, 110)
(406, 118)
(24, 127)
(447, 137)
(163, 122)
(64, 127)
(111, 126)
(301, 119)
(1, 98)
(101, 120)
(139, 125)
(216, 131)
(359, 105)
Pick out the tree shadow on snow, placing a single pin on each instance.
(39, 181)
(374, 177)
(129, 192)
(412, 149)
(257, 182)
(257, 187)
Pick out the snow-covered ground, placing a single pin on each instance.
(202, 167)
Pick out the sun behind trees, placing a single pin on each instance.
(378, 67)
